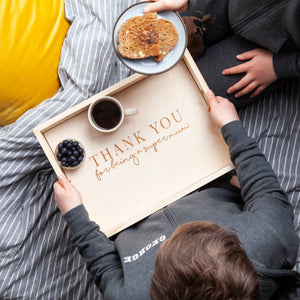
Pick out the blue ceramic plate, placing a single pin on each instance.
(150, 66)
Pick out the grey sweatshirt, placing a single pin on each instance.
(259, 212)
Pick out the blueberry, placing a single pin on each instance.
(60, 146)
(75, 163)
(59, 156)
(76, 153)
(80, 158)
(75, 144)
(65, 142)
(72, 158)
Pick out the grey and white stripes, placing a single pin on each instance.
(37, 258)
(275, 123)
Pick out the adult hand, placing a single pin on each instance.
(222, 111)
(160, 5)
(259, 73)
(66, 195)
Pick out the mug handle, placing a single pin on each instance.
(130, 111)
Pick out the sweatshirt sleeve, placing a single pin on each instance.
(255, 174)
(99, 252)
(287, 64)
(265, 201)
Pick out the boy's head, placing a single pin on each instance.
(203, 261)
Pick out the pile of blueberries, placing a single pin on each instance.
(69, 153)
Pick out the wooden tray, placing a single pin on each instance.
(165, 152)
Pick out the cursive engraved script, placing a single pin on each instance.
(135, 156)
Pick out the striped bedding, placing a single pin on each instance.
(37, 258)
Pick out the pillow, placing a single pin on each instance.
(31, 37)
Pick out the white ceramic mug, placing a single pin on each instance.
(106, 114)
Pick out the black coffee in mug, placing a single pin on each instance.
(107, 114)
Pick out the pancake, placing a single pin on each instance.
(168, 38)
(138, 37)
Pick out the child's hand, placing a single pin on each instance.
(160, 5)
(259, 73)
(66, 195)
(222, 111)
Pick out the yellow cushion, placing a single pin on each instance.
(31, 37)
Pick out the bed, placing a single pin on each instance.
(38, 260)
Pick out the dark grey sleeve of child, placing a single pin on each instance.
(260, 188)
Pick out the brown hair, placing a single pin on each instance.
(203, 261)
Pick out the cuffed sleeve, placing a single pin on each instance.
(77, 219)
(255, 174)
(98, 251)
(287, 64)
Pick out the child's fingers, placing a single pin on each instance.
(156, 6)
(58, 188)
(63, 181)
(212, 98)
(152, 7)
(209, 98)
